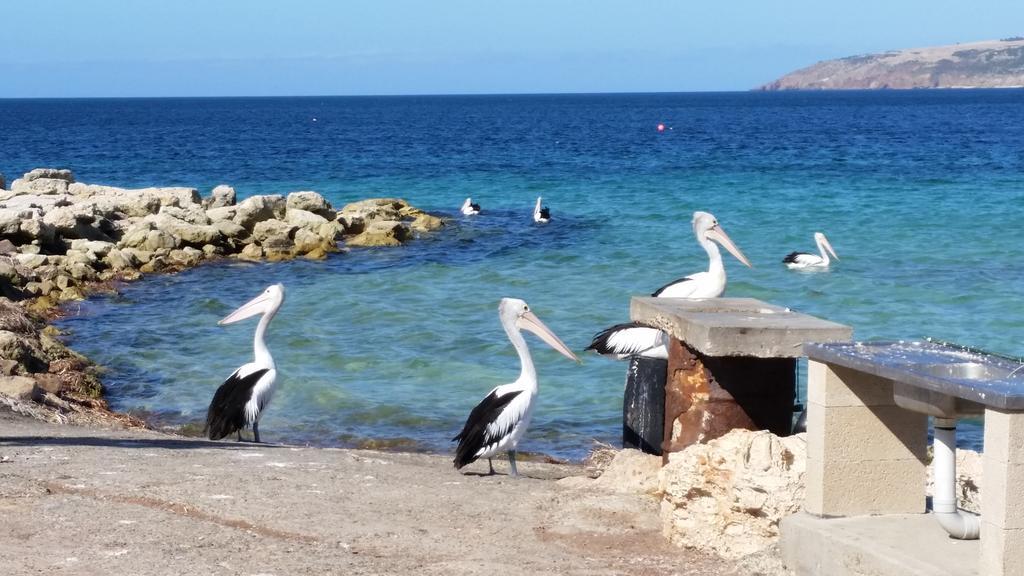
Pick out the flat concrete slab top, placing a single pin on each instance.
(987, 379)
(736, 326)
(891, 545)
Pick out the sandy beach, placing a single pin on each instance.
(92, 500)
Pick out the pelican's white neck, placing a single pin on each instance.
(260, 350)
(821, 248)
(528, 374)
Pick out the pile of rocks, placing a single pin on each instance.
(60, 239)
(58, 235)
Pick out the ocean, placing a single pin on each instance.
(920, 192)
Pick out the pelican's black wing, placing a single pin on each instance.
(793, 257)
(474, 435)
(545, 213)
(672, 283)
(227, 409)
(625, 339)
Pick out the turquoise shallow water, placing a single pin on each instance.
(922, 195)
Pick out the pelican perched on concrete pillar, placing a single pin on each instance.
(634, 339)
(708, 284)
(807, 260)
(498, 422)
(241, 399)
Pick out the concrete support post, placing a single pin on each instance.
(1002, 514)
(865, 455)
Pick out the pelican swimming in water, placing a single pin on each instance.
(806, 260)
(635, 339)
(241, 399)
(541, 214)
(498, 422)
(708, 284)
(470, 209)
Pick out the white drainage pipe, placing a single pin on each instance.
(959, 524)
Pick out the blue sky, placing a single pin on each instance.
(55, 48)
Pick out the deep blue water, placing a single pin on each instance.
(921, 193)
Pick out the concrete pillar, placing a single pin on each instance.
(1002, 512)
(865, 455)
(697, 408)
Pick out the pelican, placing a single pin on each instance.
(805, 260)
(541, 214)
(470, 209)
(240, 400)
(498, 422)
(630, 339)
(635, 339)
(708, 284)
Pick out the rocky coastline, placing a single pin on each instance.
(62, 240)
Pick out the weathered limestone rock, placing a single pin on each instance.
(311, 202)
(97, 248)
(267, 229)
(121, 260)
(30, 260)
(631, 471)
(728, 495)
(186, 257)
(221, 213)
(22, 349)
(426, 223)
(259, 208)
(189, 233)
(304, 219)
(331, 230)
(17, 386)
(382, 233)
(312, 245)
(220, 197)
(251, 252)
(49, 173)
(159, 240)
(43, 181)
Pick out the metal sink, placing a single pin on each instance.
(936, 378)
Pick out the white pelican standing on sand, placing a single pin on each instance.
(470, 209)
(806, 260)
(241, 399)
(636, 339)
(498, 422)
(541, 214)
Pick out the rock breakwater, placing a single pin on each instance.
(61, 240)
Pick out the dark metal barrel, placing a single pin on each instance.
(643, 405)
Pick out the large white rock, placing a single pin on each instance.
(49, 173)
(311, 202)
(221, 196)
(728, 495)
(267, 229)
(304, 219)
(259, 208)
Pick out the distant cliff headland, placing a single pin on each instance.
(989, 64)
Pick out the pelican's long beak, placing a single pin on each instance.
(828, 246)
(718, 235)
(529, 321)
(257, 305)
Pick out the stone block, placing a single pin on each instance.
(864, 433)
(841, 386)
(1004, 501)
(1004, 435)
(844, 488)
(1002, 551)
